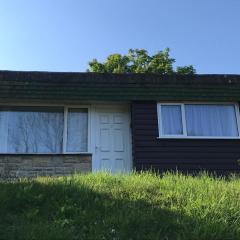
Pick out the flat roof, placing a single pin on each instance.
(77, 86)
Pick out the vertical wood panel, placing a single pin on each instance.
(188, 155)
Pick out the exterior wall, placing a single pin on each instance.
(187, 155)
(23, 165)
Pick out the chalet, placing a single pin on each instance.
(59, 123)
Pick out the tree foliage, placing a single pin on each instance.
(139, 61)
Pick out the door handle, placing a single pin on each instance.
(96, 147)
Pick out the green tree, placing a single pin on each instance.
(139, 61)
(186, 70)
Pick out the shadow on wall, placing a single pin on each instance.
(35, 210)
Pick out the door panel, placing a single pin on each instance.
(118, 139)
(104, 118)
(105, 164)
(119, 165)
(105, 144)
(118, 118)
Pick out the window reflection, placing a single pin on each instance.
(32, 130)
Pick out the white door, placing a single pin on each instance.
(112, 140)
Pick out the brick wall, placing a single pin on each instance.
(14, 166)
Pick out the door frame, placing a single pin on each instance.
(94, 126)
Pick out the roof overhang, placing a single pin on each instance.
(63, 86)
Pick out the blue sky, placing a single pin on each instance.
(63, 35)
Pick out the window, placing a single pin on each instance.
(77, 130)
(198, 120)
(42, 129)
(171, 120)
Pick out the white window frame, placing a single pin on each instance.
(184, 135)
(66, 112)
(65, 117)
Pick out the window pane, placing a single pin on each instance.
(77, 130)
(211, 120)
(3, 132)
(171, 120)
(32, 130)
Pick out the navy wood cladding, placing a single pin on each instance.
(186, 155)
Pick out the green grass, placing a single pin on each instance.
(137, 206)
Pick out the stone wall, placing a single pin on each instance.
(32, 165)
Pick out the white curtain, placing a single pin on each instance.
(171, 120)
(3, 131)
(77, 131)
(211, 120)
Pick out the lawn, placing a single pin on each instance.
(137, 206)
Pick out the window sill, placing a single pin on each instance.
(201, 138)
(45, 154)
